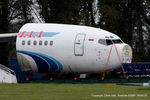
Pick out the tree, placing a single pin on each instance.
(126, 18)
(87, 12)
(60, 11)
(3, 28)
(4, 15)
(21, 11)
(11, 10)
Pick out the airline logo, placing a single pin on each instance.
(36, 34)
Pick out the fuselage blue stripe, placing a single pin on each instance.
(49, 34)
(57, 62)
(53, 65)
(43, 62)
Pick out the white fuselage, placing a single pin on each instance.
(69, 48)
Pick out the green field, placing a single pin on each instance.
(34, 91)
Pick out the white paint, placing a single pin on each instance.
(95, 54)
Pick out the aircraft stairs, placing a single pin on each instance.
(7, 75)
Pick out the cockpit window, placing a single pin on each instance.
(117, 41)
(109, 42)
(102, 41)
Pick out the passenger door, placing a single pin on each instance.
(79, 44)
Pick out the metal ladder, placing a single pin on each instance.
(7, 74)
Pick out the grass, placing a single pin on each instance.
(51, 91)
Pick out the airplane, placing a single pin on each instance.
(42, 47)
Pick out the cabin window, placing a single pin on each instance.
(29, 42)
(45, 43)
(34, 42)
(117, 41)
(102, 41)
(109, 42)
(23, 42)
(40, 42)
(51, 43)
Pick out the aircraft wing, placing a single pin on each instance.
(8, 37)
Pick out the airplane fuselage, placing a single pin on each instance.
(69, 48)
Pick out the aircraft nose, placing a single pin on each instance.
(126, 54)
(119, 53)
